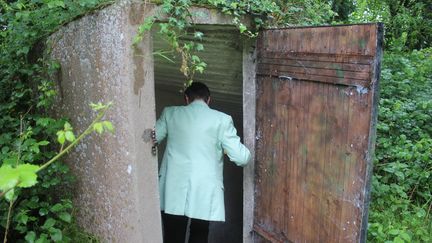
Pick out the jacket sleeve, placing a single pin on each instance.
(161, 127)
(236, 151)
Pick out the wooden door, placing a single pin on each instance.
(317, 90)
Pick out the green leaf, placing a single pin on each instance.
(199, 47)
(98, 106)
(43, 143)
(43, 211)
(188, 46)
(56, 234)
(87, 3)
(98, 127)
(11, 160)
(8, 177)
(394, 232)
(30, 237)
(421, 213)
(57, 208)
(65, 217)
(55, 3)
(5, 149)
(23, 50)
(27, 175)
(10, 195)
(147, 25)
(199, 69)
(198, 35)
(67, 126)
(42, 239)
(242, 28)
(49, 223)
(163, 28)
(55, 65)
(195, 58)
(108, 125)
(69, 136)
(397, 239)
(136, 40)
(35, 148)
(61, 137)
(22, 217)
(405, 236)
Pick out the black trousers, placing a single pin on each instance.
(175, 228)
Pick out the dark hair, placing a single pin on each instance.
(197, 90)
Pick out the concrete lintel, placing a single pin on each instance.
(200, 14)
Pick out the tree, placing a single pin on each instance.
(343, 8)
(408, 23)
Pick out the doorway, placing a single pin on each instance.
(223, 53)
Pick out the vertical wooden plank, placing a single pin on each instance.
(353, 182)
(260, 193)
(307, 160)
(295, 216)
(325, 145)
(333, 190)
(298, 101)
(278, 169)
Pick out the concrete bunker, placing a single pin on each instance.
(117, 190)
(223, 53)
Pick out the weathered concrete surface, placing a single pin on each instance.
(249, 106)
(116, 195)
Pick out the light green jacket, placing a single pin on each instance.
(190, 177)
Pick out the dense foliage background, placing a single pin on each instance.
(401, 205)
(402, 185)
(43, 213)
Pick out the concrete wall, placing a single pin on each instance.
(116, 194)
(249, 105)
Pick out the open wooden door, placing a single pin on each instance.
(317, 90)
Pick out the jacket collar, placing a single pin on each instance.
(198, 102)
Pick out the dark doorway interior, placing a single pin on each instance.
(223, 55)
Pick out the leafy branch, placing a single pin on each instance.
(25, 175)
(178, 26)
(180, 23)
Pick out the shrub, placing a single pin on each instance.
(27, 132)
(402, 185)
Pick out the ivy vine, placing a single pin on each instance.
(180, 22)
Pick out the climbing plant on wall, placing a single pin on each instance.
(264, 13)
